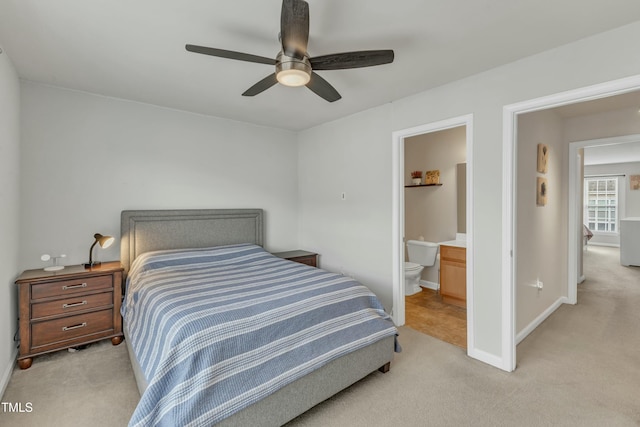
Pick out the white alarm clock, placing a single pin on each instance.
(55, 266)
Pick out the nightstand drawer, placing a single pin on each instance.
(64, 287)
(66, 328)
(69, 305)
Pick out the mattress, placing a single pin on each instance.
(216, 330)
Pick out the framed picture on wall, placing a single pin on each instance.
(543, 158)
(634, 182)
(541, 193)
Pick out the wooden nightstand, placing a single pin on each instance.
(68, 308)
(303, 257)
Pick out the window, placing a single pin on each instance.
(601, 204)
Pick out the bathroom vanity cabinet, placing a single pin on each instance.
(453, 275)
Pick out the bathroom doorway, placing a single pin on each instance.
(435, 211)
(424, 211)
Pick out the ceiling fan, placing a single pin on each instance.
(294, 66)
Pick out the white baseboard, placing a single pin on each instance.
(6, 375)
(541, 318)
(429, 285)
(610, 245)
(581, 279)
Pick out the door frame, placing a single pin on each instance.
(509, 174)
(397, 228)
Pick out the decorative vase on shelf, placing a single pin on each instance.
(416, 177)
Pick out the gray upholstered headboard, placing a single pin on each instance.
(150, 230)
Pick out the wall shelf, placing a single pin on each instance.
(423, 185)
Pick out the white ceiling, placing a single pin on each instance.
(612, 154)
(134, 49)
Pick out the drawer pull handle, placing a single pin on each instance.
(68, 328)
(81, 285)
(75, 304)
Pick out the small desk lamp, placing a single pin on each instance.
(105, 242)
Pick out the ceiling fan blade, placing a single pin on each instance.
(229, 54)
(346, 60)
(261, 86)
(294, 27)
(322, 88)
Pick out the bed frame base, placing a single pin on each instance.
(310, 390)
(144, 230)
(303, 394)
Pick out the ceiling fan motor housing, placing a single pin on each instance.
(292, 71)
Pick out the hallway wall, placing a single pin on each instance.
(9, 213)
(541, 238)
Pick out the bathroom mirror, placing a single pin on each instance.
(461, 196)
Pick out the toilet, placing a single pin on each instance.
(421, 254)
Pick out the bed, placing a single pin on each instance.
(182, 252)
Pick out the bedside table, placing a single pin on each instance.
(303, 257)
(68, 308)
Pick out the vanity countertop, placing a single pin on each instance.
(457, 243)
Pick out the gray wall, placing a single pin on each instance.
(9, 213)
(85, 158)
(541, 236)
(431, 211)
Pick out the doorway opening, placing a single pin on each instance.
(435, 213)
(625, 148)
(399, 218)
(513, 333)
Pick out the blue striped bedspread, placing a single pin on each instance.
(217, 329)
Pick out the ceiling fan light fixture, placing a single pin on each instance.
(292, 72)
(293, 77)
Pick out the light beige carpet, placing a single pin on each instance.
(581, 367)
(92, 388)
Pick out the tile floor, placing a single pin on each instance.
(425, 312)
